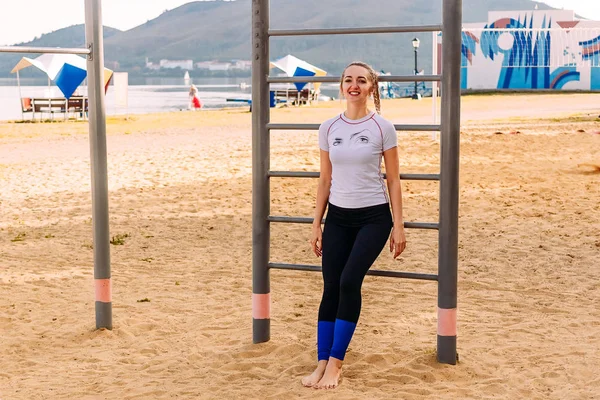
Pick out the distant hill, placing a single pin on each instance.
(220, 30)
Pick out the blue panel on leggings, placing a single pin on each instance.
(324, 339)
(342, 336)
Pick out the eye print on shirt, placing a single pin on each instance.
(360, 138)
(357, 139)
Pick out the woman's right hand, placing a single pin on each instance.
(316, 240)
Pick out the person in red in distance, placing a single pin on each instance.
(195, 102)
(359, 220)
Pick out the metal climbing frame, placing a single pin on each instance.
(97, 124)
(448, 177)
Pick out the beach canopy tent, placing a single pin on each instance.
(67, 71)
(293, 66)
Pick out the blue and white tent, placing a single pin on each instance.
(66, 70)
(293, 66)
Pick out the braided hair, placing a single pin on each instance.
(372, 76)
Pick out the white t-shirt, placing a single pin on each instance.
(355, 149)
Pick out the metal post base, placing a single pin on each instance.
(446, 350)
(103, 315)
(261, 330)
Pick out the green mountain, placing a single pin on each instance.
(221, 30)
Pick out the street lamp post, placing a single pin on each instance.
(415, 42)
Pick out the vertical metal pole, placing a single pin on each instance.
(261, 288)
(49, 102)
(416, 72)
(450, 149)
(97, 124)
(21, 96)
(434, 85)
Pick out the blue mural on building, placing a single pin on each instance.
(531, 50)
(590, 51)
(526, 63)
(468, 50)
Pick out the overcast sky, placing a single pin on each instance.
(32, 18)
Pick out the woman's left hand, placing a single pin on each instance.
(397, 241)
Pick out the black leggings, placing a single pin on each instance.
(352, 241)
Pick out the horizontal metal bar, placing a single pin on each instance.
(295, 127)
(335, 79)
(53, 50)
(310, 174)
(353, 31)
(293, 174)
(308, 220)
(374, 272)
(293, 220)
(501, 30)
(314, 127)
(422, 225)
(419, 177)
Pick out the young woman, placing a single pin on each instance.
(359, 220)
(195, 102)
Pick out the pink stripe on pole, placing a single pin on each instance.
(103, 290)
(261, 306)
(447, 322)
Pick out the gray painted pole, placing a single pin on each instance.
(354, 31)
(261, 287)
(21, 98)
(449, 180)
(97, 121)
(45, 50)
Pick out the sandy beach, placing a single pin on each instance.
(180, 197)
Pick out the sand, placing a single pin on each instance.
(180, 195)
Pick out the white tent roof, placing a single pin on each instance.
(51, 63)
(289, 63)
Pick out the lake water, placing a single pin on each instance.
(144, 95)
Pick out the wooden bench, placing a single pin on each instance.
(26, 106)
(55, 105)
(78, 106)
(52, 105)
(295, 97)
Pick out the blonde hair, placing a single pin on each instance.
(371, 76)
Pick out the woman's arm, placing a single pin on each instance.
(392, 169)
(321, 203)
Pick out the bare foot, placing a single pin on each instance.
(314, 378)
(332, 375)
